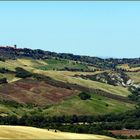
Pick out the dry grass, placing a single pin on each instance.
(20, 132)
(33, 91)
(126, 67)
(67, 77)
(126, 132)
(135, 76)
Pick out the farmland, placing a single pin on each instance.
(16, 132)
(45, 91)
(25, 91)
(126, 132)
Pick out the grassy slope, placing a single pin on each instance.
(127, 67)
(10, 77)
(29, 64)
(20, 132)
(134, 76)
(74, 104)
(60, 64)
(7, 110)
(71, 105)
(96, 105)
(58, 75)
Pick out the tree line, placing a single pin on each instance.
(110, 63)
(79, 124)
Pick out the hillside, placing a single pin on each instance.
(67, 79)
(71, 93)
(19, 132)
(10, 52)
(58, 99)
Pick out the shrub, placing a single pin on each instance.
(84, 96)
(3, 81)
(2, 59)
(106, 105)
(4, 70)
(21, 73)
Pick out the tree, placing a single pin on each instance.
(21, 73)
(3, 81)
(84, 96)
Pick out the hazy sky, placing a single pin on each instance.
(104, 29)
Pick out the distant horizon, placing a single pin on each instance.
(105, 29)
(107, 57)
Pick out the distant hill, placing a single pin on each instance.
(68, 92)
(54, 80)
(14, 52)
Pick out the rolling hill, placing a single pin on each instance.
(18, 132)
(64, 96)
(63, 72)
(37, 83)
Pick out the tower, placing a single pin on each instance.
(15, 46)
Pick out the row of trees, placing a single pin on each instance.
(128, 120)
(135, 96)
(80, 124)
(12, 53)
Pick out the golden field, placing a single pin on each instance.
(24, 132)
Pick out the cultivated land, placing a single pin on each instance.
(58, 99)
(33, 91)
(18, 132)
(71, 93)
(126, 132)
(97, 105)
(65, 77)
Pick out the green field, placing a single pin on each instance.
(71, 104)
(94, 106)
(48, 64)
(10, 108)
(54, 64)
(65, 77)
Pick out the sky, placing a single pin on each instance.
(103, 29)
